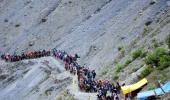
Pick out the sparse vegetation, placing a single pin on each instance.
(146, 72)
(138, 53)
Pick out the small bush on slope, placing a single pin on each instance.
(154, 57)
(128, 62)
(138, 53)
(164, 62)
(119, 68)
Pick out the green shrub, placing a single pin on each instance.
(128, 62)
(137, 53)
(146, 72)
(119, 68)
(168, 40)
(154, 57)
(164, 62)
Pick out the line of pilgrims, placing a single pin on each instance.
(86, 77)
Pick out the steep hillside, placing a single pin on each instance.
(92, 28)
(107, 34)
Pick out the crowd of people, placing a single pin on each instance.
(86, 77)
(25, 55)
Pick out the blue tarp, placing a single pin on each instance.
(158, 91)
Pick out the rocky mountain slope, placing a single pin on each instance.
(42, 78)
(104, 33)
